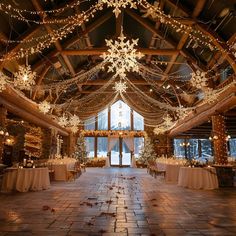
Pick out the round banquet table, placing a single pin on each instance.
(25, 179)
(198, 178)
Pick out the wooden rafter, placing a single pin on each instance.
(57, 44)
(197, 10)
(99, 51)
(213, 36)
(170, 42)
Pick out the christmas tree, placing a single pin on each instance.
(80, 152)
(147, 153)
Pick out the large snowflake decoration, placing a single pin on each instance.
(3, 81)
(63, 120)
(120, 87)
(152, 11)
(74, 120)
(210, 96)
(24, 78)
(118, 4)
(122, 56)
(44, 107)
(198, 79)
(74, 129)
(167, 124)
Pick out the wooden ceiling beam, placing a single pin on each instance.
(99, 51)
(190, 58)
(212, 35)
(57, 44)
(197, 10)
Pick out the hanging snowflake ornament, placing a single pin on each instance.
(153, 11)
(210, 96)
(74, 120)
(63, 121)
(182, 112)
(199, 79)
(167, 124)
(74, 129)
(24, 78)
(122, 56)
(44, 107)
(3, 81)
(119, 4)
(120, 87)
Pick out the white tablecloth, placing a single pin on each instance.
(25, 179)
(60, 170)
(172, 171)
(198, 178)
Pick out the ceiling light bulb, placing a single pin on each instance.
(25, 77)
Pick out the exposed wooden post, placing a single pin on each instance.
(3, 117)
(219, 139)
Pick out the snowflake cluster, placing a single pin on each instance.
(153, 11)
(210, 96)
(117, 5)
(3, 81)
(164, 126)
(24, 78)
(71, 122)
(182, 112)
(120, 87)
(199, 79)
(44, 107)
(122, 56)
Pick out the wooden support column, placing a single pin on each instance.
(71, 144)
(170, 146)
(219, 139)
(3, 118)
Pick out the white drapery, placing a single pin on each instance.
(112, 141)
(130, 144)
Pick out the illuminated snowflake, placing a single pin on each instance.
(182, 112)
(118, 4)
(74, 129)
(3, 81)
(74, 120)
(120, 87)
(199, 79)
(210, 96)
(24, 78)
(152, 10)
(167, 124)
(122, 56)
(63, 120)
(44, 107)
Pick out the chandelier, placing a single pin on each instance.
(44, 107)
(120, 87)
(24, 78)
(122, 56)
(3, 81)
(118, 4)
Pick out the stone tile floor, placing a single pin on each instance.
(118, 201)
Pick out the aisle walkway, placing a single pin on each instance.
(118, 202)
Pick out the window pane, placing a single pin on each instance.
(232, 145)
(120, 116)
(193, 148)
(89, 141)
(138, 121)
(138, 144)
(103, 120)
(179, 150)
(206, 148)
(102, 146)
(90, 124)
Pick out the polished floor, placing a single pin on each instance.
(118, 201)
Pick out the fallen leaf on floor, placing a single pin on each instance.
(53, 210)
(45, 208)
(109, 202)
(108, 214)
(102, 231)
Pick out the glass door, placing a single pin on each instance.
(115, 154)
(126, 155)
